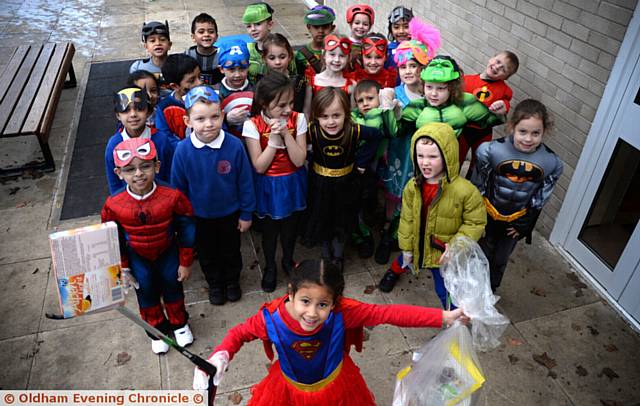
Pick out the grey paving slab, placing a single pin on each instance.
(23, 295)
(536, 272)
(379, 372)
(23, 233)
(209, 325)
(17, 353)
(514, 378)
(597, 354)
(112, 354)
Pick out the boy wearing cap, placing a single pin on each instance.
(157, 234)
(235, 90)
(204, 32)
(213, 170)
(132, 108)
(319, 21)
(156, 40)
(258, 18)
(182, 73)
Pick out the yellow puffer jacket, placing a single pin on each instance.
(456, 210)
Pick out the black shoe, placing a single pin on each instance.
(269, 280)
(217, 296)
(383, 252)
(288, 267)
(388, 281)
(366, 247)
(233, 292)
(339, 263)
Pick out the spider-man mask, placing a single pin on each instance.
(142, 148)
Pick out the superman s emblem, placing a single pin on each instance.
(333, 150)
(307, 349)
(520, 171)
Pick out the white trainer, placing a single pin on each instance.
(184, 336)
(159, 346)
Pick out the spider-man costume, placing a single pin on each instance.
(157, 233)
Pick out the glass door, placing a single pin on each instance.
(605, 236)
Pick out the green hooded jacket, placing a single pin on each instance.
(457, 208)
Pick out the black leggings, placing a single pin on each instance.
(287, 229)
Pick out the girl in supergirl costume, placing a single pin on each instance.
(312, 329)
(276, 141)
(335, 57)
(374, 54)
(336, 162)
(278, 54)
(516, 176)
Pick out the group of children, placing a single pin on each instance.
(220, 136)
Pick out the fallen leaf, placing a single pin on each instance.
(515, 342)
(235, 398)
(369, 289)
(609, 373)
(611, 348)
(20, 205)
(580, 370)
(593, 331)
(538, 292)
(513, 359)
(544, 360)
(122, 358)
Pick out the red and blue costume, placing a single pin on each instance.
(157, 234)
(314, 368)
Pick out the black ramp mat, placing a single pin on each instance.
(87, 183)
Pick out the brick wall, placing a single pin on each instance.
(566, 51)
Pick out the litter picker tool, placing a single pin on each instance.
(158, 335)
(89, 279)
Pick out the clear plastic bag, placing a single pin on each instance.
(444, 372)
(465, 270)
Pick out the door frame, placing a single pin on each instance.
(602, 123)
(599, 136)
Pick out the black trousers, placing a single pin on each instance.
(497, 246)
(218, 245)
(287, 230)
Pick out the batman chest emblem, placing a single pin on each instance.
(520, 171)
(333, 150)
(307, 349)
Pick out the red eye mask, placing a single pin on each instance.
(332, 42)
(377, 45)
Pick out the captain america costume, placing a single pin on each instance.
(157, 234)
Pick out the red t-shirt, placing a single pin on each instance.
(429, 191)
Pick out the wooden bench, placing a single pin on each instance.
(30, 87)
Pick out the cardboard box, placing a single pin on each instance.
(86, 264)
